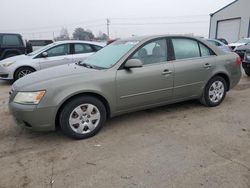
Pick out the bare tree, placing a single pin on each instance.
(64, 35)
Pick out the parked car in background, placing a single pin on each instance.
(58, 53)
(11, 45)
(246, 62)
(36, 44)
(223, 40)
(239, 43)
(125, 76)
(220, 45)
(241, 50)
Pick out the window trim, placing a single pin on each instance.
(139, 47)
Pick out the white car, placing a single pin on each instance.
(239, 43)
(58, 53)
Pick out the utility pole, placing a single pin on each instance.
(108, 23)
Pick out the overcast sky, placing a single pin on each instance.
(42, 18)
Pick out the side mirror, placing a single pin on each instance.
(133, 63)
(44, 54)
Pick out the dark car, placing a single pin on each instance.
(241, 50)
(246, 62)
(36, 44)
(12, 45)
(223, 40)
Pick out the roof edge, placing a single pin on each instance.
(223, 7)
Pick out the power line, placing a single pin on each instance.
(161, 23)
(167, 17)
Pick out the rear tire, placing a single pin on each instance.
(214, 92)
(23, 71)
(247, 71)
(82, 117)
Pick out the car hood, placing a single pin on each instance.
(69, 71)
(16, 58)
(244, 47)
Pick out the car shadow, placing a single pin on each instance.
(6, 82)
(170, 110)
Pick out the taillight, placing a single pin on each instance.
(238, 60)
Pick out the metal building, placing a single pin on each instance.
(231, 22)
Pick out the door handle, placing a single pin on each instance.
(207, 65)
(166, 72)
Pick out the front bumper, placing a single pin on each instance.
(32, 117)
(5, 74)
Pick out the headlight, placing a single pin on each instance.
(29, 97)
(8, 64)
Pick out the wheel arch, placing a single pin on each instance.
(92, 94)
(223, 75)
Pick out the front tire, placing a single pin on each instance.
(82, 117)
(214, 92)
(22, 71)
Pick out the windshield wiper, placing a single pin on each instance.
(80, 63)
(85, 65)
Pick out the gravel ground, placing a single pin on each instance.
(177, 146)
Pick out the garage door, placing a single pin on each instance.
(229, 30)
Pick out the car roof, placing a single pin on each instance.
(142, 39)
(149, 37)
(10, 34)
(79, 41)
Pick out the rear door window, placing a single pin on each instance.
(185, 48)
(97, 48)
(83, 48)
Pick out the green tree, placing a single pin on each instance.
(80, 34)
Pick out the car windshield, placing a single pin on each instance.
(246, 40)
(40, 49)
(109, 55)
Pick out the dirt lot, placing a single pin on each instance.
(177, 146)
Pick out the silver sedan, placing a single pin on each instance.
(128, 75)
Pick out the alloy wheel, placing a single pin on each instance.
(216, 91)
